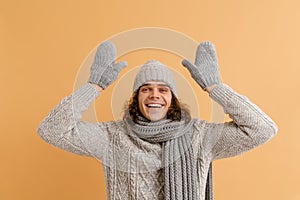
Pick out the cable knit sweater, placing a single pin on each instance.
(132, 166)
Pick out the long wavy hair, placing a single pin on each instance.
(177, 111)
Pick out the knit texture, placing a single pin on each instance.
(104, 69)
(133, 167)
(205, 71)
(153, 70)
(177, 154)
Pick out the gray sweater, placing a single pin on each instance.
(132, 166)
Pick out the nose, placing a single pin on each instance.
(154, 93)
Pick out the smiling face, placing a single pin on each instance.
(154, 100)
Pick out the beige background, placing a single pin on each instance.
(44, 43)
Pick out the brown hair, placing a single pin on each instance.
(176, 112)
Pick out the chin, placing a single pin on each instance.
(156, 118)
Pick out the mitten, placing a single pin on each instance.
(205, 71)
(104, 69)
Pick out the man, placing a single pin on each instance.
(157, 151)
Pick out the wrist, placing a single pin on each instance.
(99, 88)
(210, 88)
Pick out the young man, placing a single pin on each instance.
(157, 151)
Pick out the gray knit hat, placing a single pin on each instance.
(153, 70)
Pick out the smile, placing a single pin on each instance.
(154, 105)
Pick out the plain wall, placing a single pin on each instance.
(44, 43)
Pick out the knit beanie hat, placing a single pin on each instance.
(153, 70)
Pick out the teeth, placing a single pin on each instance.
(154, 105)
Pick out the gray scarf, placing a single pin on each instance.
(179, 166)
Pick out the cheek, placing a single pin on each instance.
(169, 101)
(141, 108)
(140, 102)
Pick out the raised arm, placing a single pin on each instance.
(249, 127)
(63, 126)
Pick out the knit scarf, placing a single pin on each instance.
(177, 154)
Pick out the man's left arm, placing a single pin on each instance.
(249, 128)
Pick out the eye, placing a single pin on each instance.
(164, 90)
(144, 89)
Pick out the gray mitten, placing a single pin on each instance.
(104, 69)
(205, 71)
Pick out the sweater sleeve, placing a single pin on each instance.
(63, 127)
(249, 128)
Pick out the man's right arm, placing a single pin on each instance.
(63, 126)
